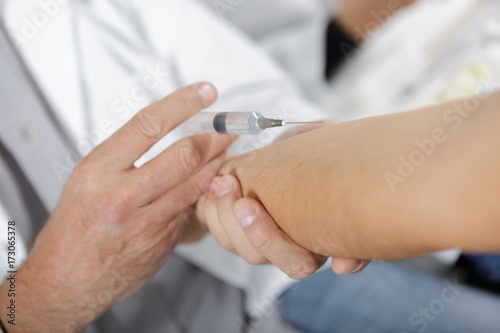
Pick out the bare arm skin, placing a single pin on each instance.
(330, 189)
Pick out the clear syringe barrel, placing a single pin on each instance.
(234, 123)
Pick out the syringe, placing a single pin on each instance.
(234, 123)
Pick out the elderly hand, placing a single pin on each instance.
(115, 225)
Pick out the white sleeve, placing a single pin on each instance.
(202, 47)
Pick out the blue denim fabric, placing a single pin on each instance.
(389, 298)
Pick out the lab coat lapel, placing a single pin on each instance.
(47, 158)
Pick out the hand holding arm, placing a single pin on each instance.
(115, 225)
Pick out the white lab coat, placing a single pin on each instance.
(259, 18)
(293, 32)
(100, 62)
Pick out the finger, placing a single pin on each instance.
(341, 266)
(228, 190)
(207, 211)
(151, 124)
(177, 164)
(213, 224)
(272, 242)
(186, 194)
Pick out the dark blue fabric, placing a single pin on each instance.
(487, 266)
(339, 46)
(389, 298)
(482, 270)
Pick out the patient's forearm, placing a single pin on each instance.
(387, 187)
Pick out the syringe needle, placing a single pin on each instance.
(302, 122)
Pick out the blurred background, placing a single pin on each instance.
(430, 52)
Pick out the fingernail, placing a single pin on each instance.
(212, 190)
(220, 186)
(358, 267)
(207, 93)
(246, 215)
(225, 186)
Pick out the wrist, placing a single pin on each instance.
(34, 307)
(17, 306)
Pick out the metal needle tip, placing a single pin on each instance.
(302, 122)
(265, 123)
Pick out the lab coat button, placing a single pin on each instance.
(29, 132)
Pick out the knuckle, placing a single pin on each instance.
(115, 204)
(189, 158)
(229, 167)
(186, 101)
(262, 242)
(124, 197)
(202, 182)
(226, 244)
(149, 124)
(226, 216)
(108, 212)
(303, 269)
